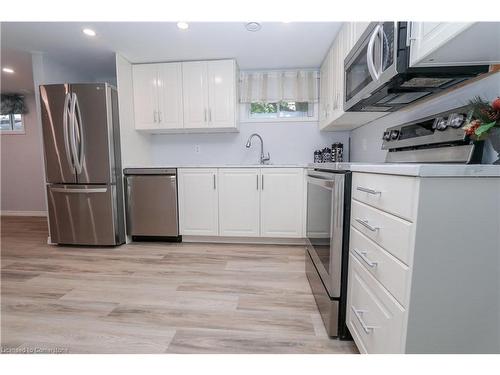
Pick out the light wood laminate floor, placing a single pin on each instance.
(155, 297)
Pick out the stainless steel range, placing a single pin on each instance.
(434, 139)
(327, 230)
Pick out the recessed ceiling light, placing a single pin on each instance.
(253, 26)
(183, 25)
(8, 70)
(89, 32)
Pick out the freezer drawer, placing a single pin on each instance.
(84, 215)
(152, 205)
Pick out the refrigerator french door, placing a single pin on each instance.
(82, 162)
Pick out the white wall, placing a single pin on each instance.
(366, 141)
(288, 143)
(22, 176)
(135, 146)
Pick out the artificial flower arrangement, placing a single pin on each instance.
(486, 118)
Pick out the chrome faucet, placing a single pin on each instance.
(263, 158)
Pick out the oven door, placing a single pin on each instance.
(324, 228)
(371, 63)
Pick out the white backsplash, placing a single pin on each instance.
(288, 143)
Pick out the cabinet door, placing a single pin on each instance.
(375, 319)
(221, 93)
(239, 202)
(170, 112)
(198, 202)
(282, 202)
(145, 81)
(324, 76)
(336, 78)
(195, 94)
(426, 37)
(357, 29)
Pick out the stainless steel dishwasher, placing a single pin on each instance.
(151, 199)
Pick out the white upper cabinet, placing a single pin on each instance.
(195, 90)
(157, 96)
(325, 89)
(282, 202)
(210, 94)
(222, 100)
(454, 43)
(145, 81)
(170, 96)
(332, 114)
(196, 96)
(198, 201)
(357, 30)
(239, 202)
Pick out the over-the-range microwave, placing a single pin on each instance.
(378, 77)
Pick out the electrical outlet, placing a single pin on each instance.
(197, 149)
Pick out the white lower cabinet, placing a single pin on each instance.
(239, 202)
(242, 202)
(374, 317)
(198, 202)
(282, 208)
(415, 268)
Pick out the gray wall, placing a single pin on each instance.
(23, 170)
(22, 167)
(367, 140)
(288, 143)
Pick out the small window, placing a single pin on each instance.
(284, 109)
(12, 123)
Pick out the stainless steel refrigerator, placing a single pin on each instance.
(82, 163)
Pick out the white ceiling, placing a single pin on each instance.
(277, 45)
(21, 81)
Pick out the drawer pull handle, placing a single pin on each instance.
(367, 225)
(362, 255)
(369, 191)
(359, 315)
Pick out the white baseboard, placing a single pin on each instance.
(245, 240)
(23, 213)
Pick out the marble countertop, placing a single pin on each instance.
(417, 170)
(165, 166)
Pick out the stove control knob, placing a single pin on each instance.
(394, 134)
(456, 120)
(441, 123)
(386, 136)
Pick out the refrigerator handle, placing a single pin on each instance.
(79, 191)
(66, 114)
(77, 134)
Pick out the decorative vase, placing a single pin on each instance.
(494, 138)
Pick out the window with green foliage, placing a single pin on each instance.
(283, 109)
(12, 123)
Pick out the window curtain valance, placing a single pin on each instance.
(12, 104)
(275, 86)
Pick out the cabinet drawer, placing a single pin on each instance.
(392, 274)
(374, 318)
(392, 233)
(394, 194)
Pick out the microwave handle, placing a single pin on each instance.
(369, 54)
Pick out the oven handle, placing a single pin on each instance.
(327, 184)
(370, 54)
